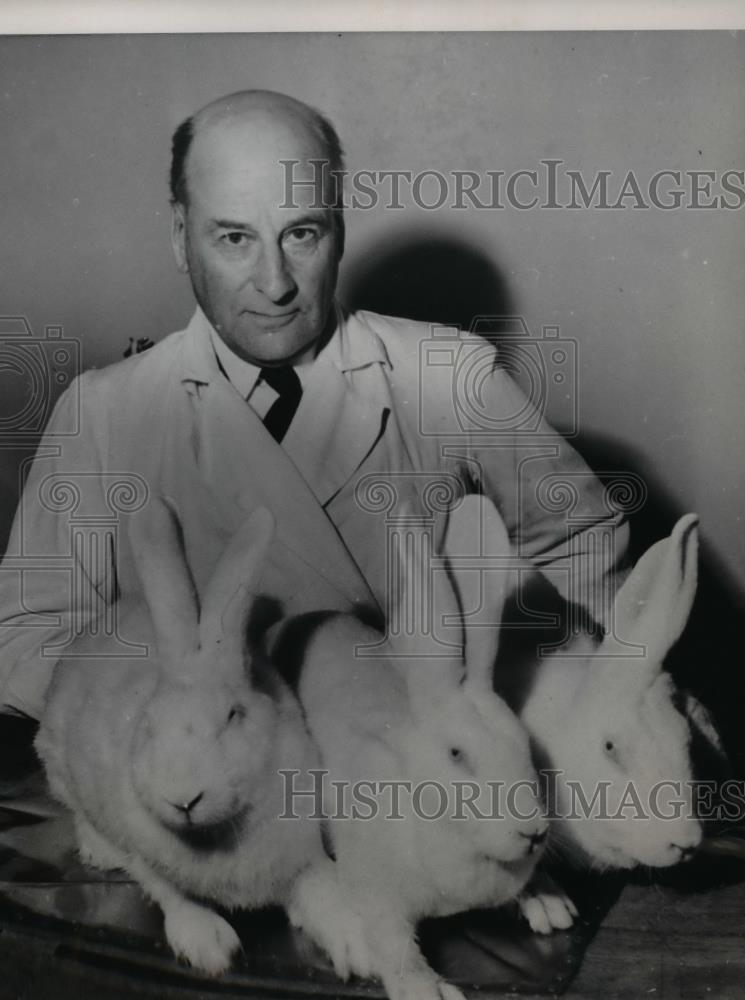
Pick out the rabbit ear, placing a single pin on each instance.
(478, 549)
(701, 721)
(654, 602)
(420, 602)
(157, 546)
(227, 599)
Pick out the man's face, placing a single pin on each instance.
(263, 275)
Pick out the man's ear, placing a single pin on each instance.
(340, 233)
(178, 236)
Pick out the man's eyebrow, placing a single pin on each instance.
(308, 220)
(302, 220)
(229, 224)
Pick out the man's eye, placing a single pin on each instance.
(235, 239)
(301, 236)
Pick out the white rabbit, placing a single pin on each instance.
(604, 716)
(169, 763)
(415, 718)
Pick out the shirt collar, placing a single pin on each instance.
(353, 345)
(242, 374)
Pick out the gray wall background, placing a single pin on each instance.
(655, 300)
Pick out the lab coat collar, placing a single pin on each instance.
(198, 361)
(354, 345)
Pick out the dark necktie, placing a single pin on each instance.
(287, 385)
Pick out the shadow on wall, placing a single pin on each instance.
(434, 279)
(443, 281)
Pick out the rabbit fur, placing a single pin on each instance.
(169, 762)
(604, 718)
(404, 714)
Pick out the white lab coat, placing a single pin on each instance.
(361, 443)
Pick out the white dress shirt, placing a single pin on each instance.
(246, 378)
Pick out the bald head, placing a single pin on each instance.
(267, 116)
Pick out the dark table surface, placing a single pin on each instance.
(70, 931)
(78, 932)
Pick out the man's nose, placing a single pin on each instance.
(272, 277)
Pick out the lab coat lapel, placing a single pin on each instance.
(242, 466)
(333, 430)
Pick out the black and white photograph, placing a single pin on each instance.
(372, 552)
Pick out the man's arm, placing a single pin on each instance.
(54, 578)
(558, 514)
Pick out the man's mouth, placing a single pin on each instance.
(272, 321)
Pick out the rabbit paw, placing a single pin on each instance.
(423, 987)
(319, 909)
(93, 849)
(546, 907)
(201, 937)
(449, 992)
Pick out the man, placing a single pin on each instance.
(273, 395)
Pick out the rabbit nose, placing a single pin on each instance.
(536, 838)
(686, 853)
(186, 807)
(688, 843)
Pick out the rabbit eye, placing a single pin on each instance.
(611, 750)
(236, 712)
(460, 757)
